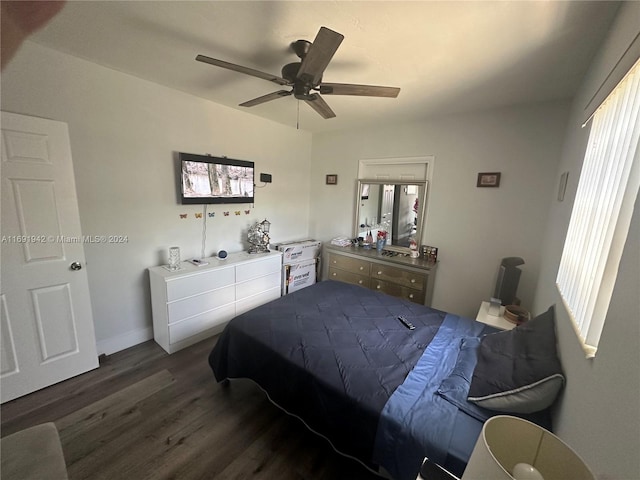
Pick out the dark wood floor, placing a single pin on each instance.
(148, 415)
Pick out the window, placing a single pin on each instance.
(602, 211)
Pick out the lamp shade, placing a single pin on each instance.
(506, 441)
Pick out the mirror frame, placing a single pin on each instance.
(421, 208)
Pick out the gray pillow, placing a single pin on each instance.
(518, 371)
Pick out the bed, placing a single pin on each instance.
(337, 357)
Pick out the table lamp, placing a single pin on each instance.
(510, 448)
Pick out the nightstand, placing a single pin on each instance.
(498, 322)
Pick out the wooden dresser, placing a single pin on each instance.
(400, 276)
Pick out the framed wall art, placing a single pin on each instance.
(332, 179)
(562, 187)
(488, 179)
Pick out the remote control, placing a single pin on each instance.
(406, 322)
(198, 263)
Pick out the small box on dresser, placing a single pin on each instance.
(193, 303)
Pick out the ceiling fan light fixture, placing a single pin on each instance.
(306, 75)
(301, 90)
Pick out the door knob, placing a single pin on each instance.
(76, 266)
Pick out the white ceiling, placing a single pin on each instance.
(445, 56)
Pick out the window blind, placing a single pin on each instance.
(617, 73)
(601, 215)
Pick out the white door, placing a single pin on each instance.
(47, 325)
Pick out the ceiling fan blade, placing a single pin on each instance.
(266, 98)
(319, 55)
(316, 102)
(241, 69)
(361, 90)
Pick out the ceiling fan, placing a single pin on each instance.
(305, 77)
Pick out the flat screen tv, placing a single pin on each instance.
(205, 179)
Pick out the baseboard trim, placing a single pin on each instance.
(126, 340)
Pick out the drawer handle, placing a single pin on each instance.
(378, 287)
(334, 274)
(379, 272)
(411, 295)
(361, 268)
(335, 261)
(413, 280)
(360, 282)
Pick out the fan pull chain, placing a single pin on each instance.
(298, 115)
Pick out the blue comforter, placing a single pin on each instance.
(416, 421)
(336, 356)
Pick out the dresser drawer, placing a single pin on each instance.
(257, 285)
(259, 268)
(353, 265)
(199, 283)
(348, 277)
(198, 324)
(397, 275)
(416, 296)
(191, 306)
(261, 298)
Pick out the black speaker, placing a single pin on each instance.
(508, 279)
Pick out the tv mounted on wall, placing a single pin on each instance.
(206, 179)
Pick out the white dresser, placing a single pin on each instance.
(194, 303)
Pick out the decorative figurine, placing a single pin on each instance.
(258, 237)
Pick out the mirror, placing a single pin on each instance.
(394, 207)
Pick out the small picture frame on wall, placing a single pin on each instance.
(488, 179)
(562, 187)
(332, 179)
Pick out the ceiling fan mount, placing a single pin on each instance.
(306, 75)
(301, 47)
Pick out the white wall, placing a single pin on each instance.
(599, 413)
(124, 134)
(474, 228)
